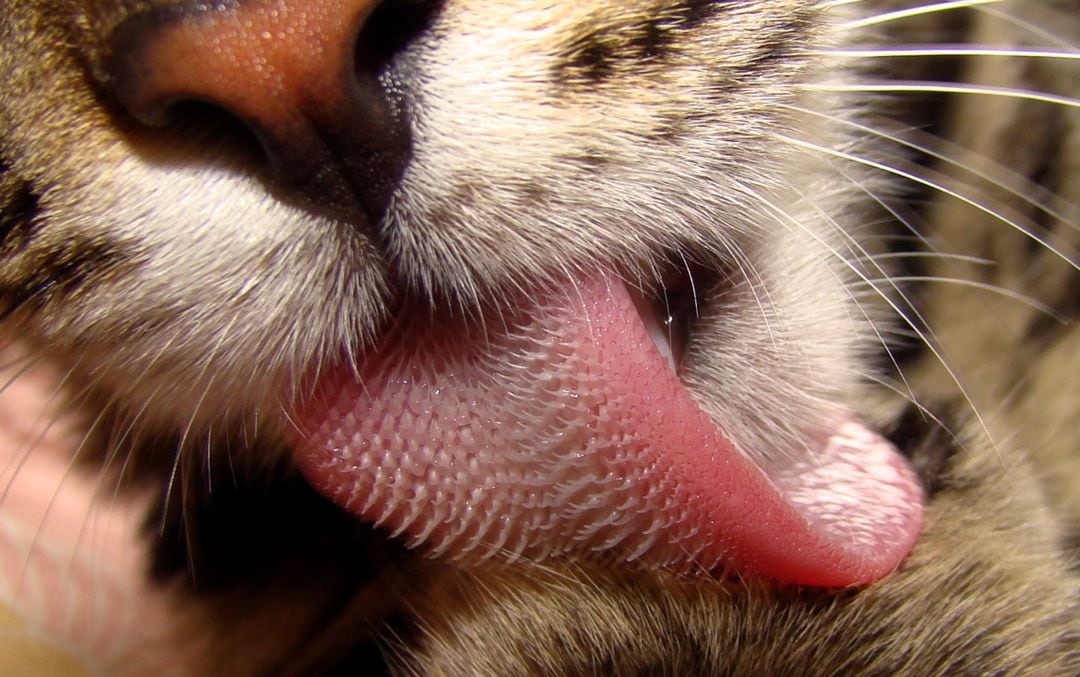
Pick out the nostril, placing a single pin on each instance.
(308, 76)
(217, 132)
(392, 27)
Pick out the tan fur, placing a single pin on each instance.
(195, 363)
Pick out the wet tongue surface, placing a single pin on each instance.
(565, 431)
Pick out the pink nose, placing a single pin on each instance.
(305, 75)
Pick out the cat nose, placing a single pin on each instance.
(305, 75)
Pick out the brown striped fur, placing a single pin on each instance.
(169, 326)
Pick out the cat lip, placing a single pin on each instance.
(565, 432)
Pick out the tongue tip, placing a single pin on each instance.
(834, 569)
(888, 514)
(865, 565)
(862, 507)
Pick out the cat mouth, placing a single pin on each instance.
(563, 429)
(670, 306)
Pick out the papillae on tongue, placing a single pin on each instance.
(563, 431)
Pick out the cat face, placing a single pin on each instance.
(234, 205)
(586, 283)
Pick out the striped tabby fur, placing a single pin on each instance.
(955, 173)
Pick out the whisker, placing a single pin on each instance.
(948, 50)
(851, 246)
(1039, 32)
(754, 280)
(840, 3)
(859, 254)
(20, 458)
(1028, 192)
(21, 364)
(693, 285)
(916, 235)
(920, 86)
(899, 14)
(28, 362)
(117, 446)
(102, 475)
(925, 412)
(927, 337)
(1001, 291)
(960, 258)
(24, 456)
(178, 470)
(930, 184)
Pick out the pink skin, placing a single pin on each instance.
(71, 566)
(565, 432)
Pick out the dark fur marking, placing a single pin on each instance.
(19, 206)
(534, 193)
(777, 47)
(776, 52)
(27, 278)
(928, 443)
(589, 158)
(36, 271)
(673, 128)
(58, 270)
(671, 131)
(597, 54)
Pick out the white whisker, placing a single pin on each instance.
(916, 236)
(177, 471)
(1031, 194)
(933, 185)
(961, 258)
(918, 86)
(927, 336)
(853, 248)
(985, 286)
(55, 416)
(20, 458)
(923, 410)
(899, 14)
(840, 3)
(1039, 32)
(949, 50)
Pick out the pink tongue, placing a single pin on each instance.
(565, 431)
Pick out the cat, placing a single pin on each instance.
(475, 337)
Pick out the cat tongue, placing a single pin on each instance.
(565, 431)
